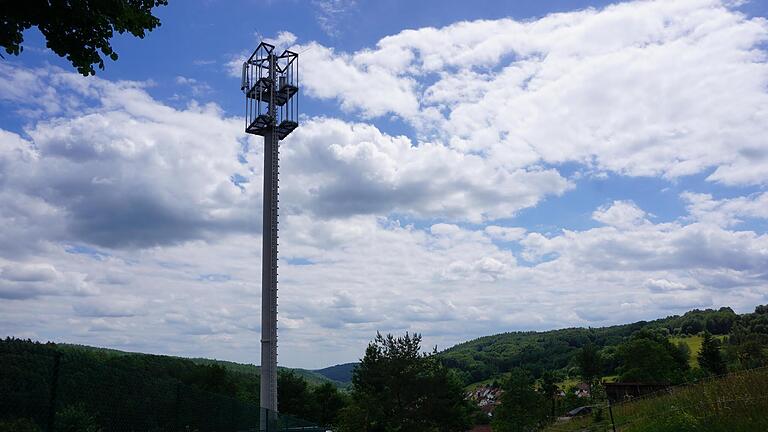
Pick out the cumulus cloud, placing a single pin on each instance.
(505, 233)
(282, 41)
(662, 285)
(726, 212)
(621, 214)
(638, 88)
(360, 170)
(19, 281)
(129, 171)
(655, 247)
(137, 223)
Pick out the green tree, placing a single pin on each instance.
(710, 358)
(692, 326)
(590, 364)
(79, 30)
(522, 407)
(549, 389)
(684, 350)
(328, 403)
(397, 388)
(648, 356)
(294, 396)
(751, 354)
(75, 418)
(214, 379)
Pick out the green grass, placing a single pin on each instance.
(475, 385)
(734, 403)
(694, 343)
(568, 383)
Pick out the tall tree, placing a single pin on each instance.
(684, 350)
(590, 363)
(522, 407)
(79, 30)
(649, 356)
(751, 354)
(294, 396)
(328, 403)
(549, 388)
(397, 388)
(710, 358)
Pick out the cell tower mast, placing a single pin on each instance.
(270, 83)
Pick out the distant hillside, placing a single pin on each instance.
(340, 372)
(489, 357)
(105, 389)
(312, 377)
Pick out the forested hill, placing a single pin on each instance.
(489, 357)
(341, 372)
(312, 377)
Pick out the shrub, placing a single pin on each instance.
(75, 418)
(19, 425)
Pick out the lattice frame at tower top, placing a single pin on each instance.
(271, 98)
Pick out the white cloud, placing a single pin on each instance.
(129, 171)
(330, 12)
(283, 40)
(654, 88)
(726, 212)
(656, 247)
(505, 233)
(360, 170)
(662, 285)
(370, 88)
(620, 214)
(137, 224)
(197, 88)
(19, 281)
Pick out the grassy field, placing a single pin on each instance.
(733, 403)
(694, 343)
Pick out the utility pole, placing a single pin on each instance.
(270, 82)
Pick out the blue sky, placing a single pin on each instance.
(462, 169)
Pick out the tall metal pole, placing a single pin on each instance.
(269, 259)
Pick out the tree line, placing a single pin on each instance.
(488, 357)
(395, 387)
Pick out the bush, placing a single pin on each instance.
(19, 425)
(75, 418)
(598, 415)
